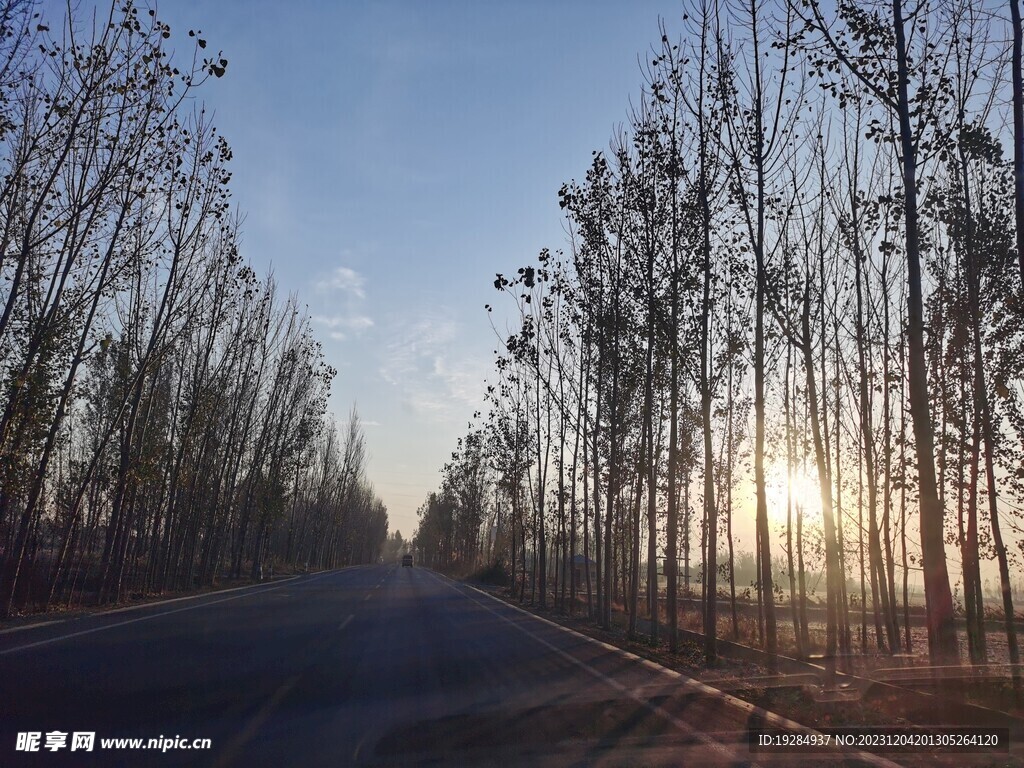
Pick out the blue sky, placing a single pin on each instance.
(390, 158)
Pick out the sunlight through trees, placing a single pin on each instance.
(798, 259)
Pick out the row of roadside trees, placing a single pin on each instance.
(163, 409)
(799, 267)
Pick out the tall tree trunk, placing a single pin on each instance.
(942, 642)
(672, 534)
(613, 471)
(868, 438)
(801, 651)
(1017, 78)
(832, 564)
(892, 623)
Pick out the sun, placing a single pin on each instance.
(797, 487)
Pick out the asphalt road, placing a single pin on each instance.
(369, 666)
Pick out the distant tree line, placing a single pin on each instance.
(162, 408)
(451, 521)
(394, 547)
(800, 264)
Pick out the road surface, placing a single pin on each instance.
(368, 666)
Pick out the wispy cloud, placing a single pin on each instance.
(344, 292)
(435, 379)
(345, 280)
(339, 324)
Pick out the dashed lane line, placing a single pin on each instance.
(230, 752)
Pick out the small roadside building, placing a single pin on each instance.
(580, 565)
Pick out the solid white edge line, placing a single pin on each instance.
(767, 716)
(37, 625)
(127, 608)
(258, 589)
(140, 606)
(722, 749)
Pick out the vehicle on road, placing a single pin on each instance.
(407, 561)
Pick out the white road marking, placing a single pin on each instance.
(345, 622)
(193, 597)
(258, 719)
(257, 590)
(30, 626)
(684, 727)
(767, 717)
(359, 746)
